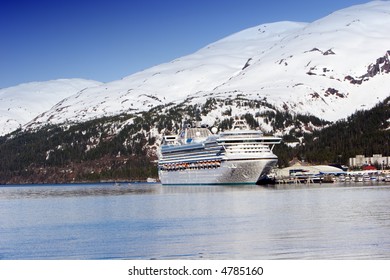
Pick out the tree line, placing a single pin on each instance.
(124, 147)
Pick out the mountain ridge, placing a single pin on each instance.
(21, 103)
(327, 68)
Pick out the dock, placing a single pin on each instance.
(318, 174)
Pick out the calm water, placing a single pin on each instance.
(148, 221)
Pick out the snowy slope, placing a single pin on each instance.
(20, 104)
(202, 71)
(300, 69)
(330, 68)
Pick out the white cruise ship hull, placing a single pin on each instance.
(247, 171)
(197, 157)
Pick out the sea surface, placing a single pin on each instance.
(150, 221)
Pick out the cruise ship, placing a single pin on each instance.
(198, 156)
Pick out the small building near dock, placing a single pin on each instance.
(298, 168)
(377, 159)
(307, 173)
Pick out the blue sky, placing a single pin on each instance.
(106, 40)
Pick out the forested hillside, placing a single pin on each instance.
(124, 147)
(363, 133)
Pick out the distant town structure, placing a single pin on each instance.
(376, 160)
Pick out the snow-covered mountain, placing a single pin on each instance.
(329, 68)
(20, 104)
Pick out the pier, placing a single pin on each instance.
(317, 174)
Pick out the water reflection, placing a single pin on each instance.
(49, 191)
(150, 221)
(118, 189)
(212, 188)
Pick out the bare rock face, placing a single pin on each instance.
(381, 66)
(335, 92)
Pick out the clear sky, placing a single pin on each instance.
(106, 40)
